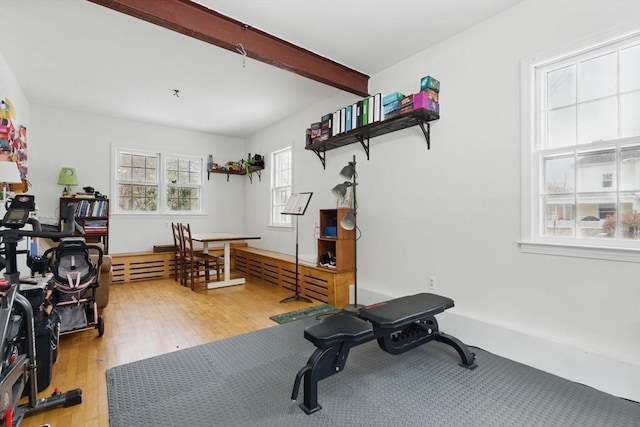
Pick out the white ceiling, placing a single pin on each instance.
(77, 55)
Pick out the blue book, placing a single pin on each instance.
(349, 121)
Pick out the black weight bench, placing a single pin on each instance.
(399, 325)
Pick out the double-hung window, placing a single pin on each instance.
(581, 148)
(156, 183)
(281, 185)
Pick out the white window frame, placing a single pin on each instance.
(161, 182)
(532, 240)
(282, 221)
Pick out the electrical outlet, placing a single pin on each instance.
(432, 282)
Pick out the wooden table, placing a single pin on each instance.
(225, 238)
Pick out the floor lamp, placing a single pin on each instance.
(350, 222)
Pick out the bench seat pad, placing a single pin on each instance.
(338, 328)
(405, 310)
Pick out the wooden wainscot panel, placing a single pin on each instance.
(128, 267)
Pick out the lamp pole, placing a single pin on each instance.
(353, 308)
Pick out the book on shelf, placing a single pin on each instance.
(377, 107)
(365, 112)
(370, 104)
(348, 119)
(95, 226)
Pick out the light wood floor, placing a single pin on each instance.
(145, 319)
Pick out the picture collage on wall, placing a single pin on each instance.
(13, 141)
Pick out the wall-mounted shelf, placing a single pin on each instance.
(417, 117)
(253, 169)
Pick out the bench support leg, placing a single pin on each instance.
(323, 363)
(468, 358)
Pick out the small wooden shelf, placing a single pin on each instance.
(363, 134)
(341, 246)
(253, 169)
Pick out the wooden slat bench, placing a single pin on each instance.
(278, 269)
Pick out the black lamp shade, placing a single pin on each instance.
(340, 190)
(348, 171)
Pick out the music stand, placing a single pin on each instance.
(297, 206)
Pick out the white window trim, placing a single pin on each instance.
(530, 183)
(278, 226)
(162, 210)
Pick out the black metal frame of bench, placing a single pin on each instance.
(399, 325)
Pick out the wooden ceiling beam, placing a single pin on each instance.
(204, 24)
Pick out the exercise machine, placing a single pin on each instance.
(18, 367)
(398, 325)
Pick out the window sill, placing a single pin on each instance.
(578, 251)
(281, 227)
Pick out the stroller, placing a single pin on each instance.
(73, 285)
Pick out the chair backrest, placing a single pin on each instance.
(187, 242)
(177, 237)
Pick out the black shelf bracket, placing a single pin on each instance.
(259, 173)
(365, 145)
(427, 132)
(321, 157)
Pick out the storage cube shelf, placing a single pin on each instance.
(341, 245)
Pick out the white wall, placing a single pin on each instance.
(65, 138)
(9, 88)
(454, 212)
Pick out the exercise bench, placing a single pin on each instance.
(399, 325)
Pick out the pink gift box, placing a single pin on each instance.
(422, 100)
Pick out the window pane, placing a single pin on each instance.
(559, 175)
(630, 216)
(139, 174)
(597, 77)
(151, 175)
(630, 170)
(630, 68)
(598, 120)
(562, 127)
(593, 210)
(593, 167)
(124, 173)
(559, 216)
(630, 114)
(561, 87)
(124, 159)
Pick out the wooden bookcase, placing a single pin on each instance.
(341, 246)
(91, 219)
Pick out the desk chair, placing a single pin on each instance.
(196, 261)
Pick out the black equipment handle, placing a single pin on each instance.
(69, 217)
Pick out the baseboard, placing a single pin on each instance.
(616, 377)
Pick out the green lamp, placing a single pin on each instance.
(68, 177)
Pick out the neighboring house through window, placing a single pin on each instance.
(281, 185)
(154, 183)
(581, 146)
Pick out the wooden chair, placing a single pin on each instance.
(196, 261)
(178, 270)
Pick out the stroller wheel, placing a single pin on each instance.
(100, 326)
